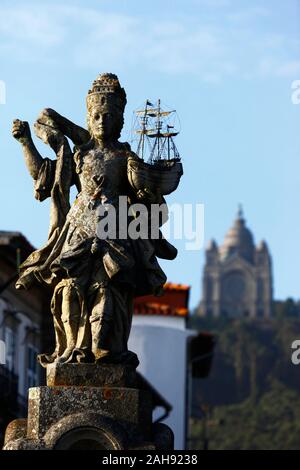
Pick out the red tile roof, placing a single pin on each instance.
(174, 302)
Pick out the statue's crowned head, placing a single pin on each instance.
(107, 98)
(107, 93)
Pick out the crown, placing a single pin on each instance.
(107, 93)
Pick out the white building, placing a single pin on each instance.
(168, 352)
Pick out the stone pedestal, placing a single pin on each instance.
(88, 407)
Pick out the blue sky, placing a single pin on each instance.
(227, 67)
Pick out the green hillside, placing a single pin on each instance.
(251, 399)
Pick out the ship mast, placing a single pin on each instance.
(156, 149)
(144, 121)
(163, 139)
(158, 126)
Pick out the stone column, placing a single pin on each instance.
(89, 407)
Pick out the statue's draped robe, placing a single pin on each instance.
(98, 284)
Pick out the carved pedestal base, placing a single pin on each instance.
(88, 407)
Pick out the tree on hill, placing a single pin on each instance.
(253, 385)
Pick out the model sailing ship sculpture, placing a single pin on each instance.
(163, 169)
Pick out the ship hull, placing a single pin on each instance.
(163, 175)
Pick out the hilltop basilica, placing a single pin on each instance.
(237, 277)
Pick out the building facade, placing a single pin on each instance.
(237, 277)
(24, 320)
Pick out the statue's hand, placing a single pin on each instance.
(21, 131)
(149, 196)
(48, 117)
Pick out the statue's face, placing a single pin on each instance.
(102, 124)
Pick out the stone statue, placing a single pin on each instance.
(94, 280)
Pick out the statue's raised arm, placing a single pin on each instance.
(33, 159)
(77, 134)
(51, 127)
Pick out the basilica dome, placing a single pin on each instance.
(238, 240)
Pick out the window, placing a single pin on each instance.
(10, 344)
(32, 373)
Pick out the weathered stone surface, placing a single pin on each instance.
(94, 375)
(25, 444)
(87, 431)
(130, 407)
(80, 415)
(88, 418)
(16, 429)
